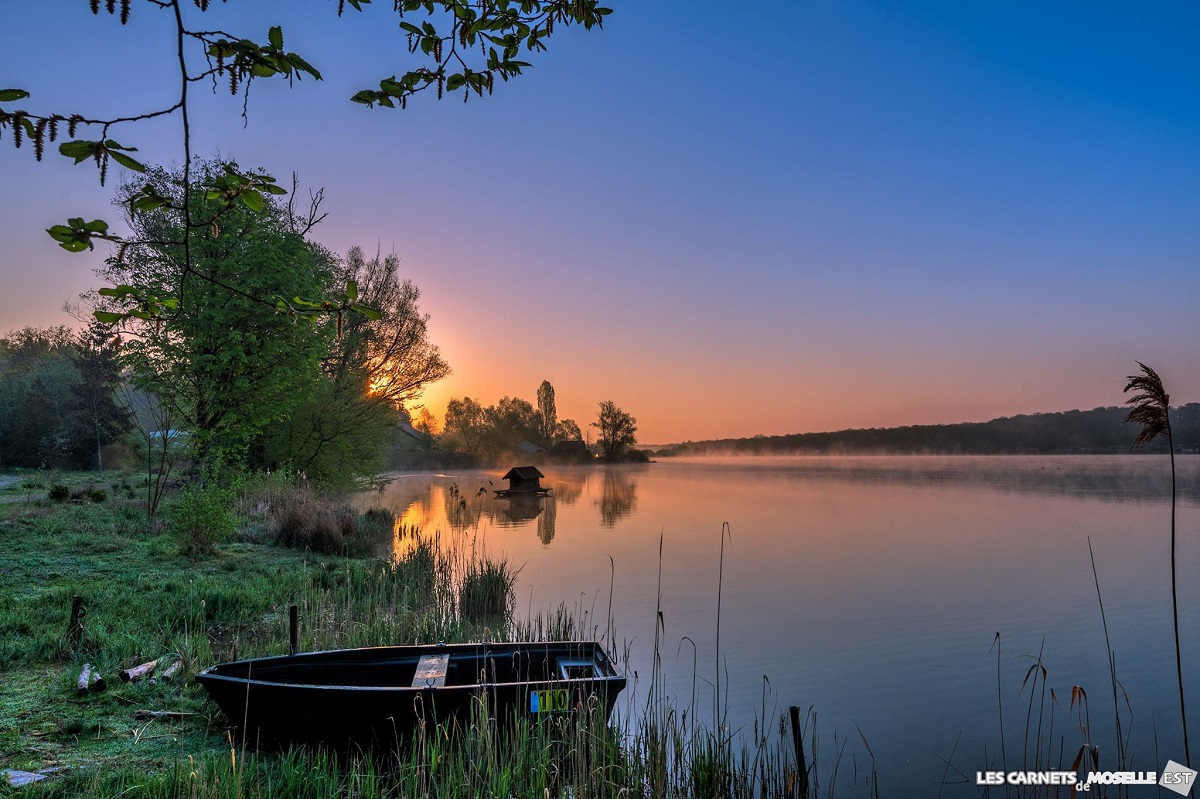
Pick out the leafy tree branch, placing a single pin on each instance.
(442, 48)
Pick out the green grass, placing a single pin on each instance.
(151, 593)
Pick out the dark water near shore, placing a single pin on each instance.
(871, 589)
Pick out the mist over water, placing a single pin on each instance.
(870, 588)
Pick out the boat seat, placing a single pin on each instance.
(577, 669)
(431, 671)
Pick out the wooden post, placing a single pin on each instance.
(294, 628)
(85, 677)
(75, 626)
(798, 745)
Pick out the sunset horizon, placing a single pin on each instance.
(883, 217)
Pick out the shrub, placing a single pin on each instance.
(98, 495)
(59, 492)
(202, 517)
(486, 590)
(376, 523)
(304, 519)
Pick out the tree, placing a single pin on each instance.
(567, 430)
(38, 381)
(546, 411)
(511, 421)
(224, 366)
(97, 418)
(1151, 408)
(460, 45)
(426, 423)
(465, 424)
(617, 430)
(393, 352)
(371, 371)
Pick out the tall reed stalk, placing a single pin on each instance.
(1151, 406)
(1112, 660)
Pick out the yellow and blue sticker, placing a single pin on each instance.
(552, 700)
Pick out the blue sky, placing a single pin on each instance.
(763, 217)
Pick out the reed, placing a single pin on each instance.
(486, 591)
(1151, 408)
(1122, 743)
(1000, 703)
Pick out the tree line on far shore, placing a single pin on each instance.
(192, 359)
(514, 426)
(1097, 431)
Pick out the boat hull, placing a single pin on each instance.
(381, 694)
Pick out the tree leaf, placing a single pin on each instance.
(108, 317)
(78, 149)
(253, 200)
(366, 310)
(127, 162)
(275, 35)
(12, 95)
(303, 66)
(70, 239)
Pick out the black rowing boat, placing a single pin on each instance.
(381, 693)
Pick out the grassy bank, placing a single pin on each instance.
(165, 591)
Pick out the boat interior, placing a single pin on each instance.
(433, 667)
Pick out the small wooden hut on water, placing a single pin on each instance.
(523, 480)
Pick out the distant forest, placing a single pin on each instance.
(1070, 432)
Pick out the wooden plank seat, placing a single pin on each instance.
(431, 671)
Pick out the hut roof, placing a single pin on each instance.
(523, 473)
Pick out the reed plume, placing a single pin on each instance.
(1151, 407)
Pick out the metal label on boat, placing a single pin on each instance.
(549, 701)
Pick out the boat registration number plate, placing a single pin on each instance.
(552, 700)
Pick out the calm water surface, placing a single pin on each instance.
(870, 589)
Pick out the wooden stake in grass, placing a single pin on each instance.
(798, 748)
(1151, 409)
(75, 626)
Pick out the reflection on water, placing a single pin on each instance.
(1122, 478)
(618, 497)
(870, 588)
(442, 503)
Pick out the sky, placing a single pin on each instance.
(763, 217)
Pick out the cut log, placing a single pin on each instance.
(85, 677)
(98, 684)
(137, 672)
(171, 671)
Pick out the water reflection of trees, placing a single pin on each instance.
(618, 497)
(470, 502)
(465, 505)
(547, 521)
(568, 487)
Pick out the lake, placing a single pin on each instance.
(870, 589)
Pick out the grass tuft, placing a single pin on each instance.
(486, 593)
